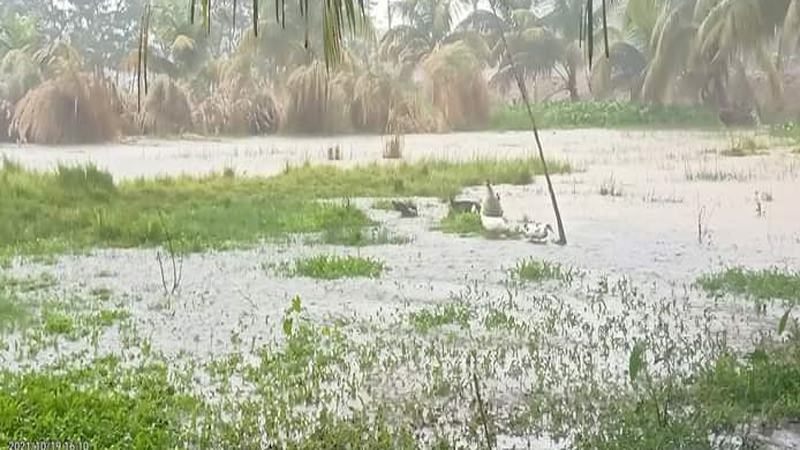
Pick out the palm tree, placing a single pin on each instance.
(540, 46)
(697, 48)
(427, 25)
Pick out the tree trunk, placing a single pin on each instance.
(572, 85)
(523, 90)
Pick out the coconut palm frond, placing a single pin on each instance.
(790, 34)
(473, 39)
(671, 53)
(767, 64)
(623, 69)
(642, 15)
(730, 27)
(57, 57)
(481, 21)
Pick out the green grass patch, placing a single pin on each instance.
(764, 384)
(464, 224)
(762, 285)
(454, 313)
(426, 178)
(58, 323)
(78, 208)
(106, 317)
(602, 114)
(332, 267)
(533, 270)
(101, 404)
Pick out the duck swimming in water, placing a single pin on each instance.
(537, 232)
(406, 209)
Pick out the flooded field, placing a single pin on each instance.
(646, 214)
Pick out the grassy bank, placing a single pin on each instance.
(76, 208)
(602, 114)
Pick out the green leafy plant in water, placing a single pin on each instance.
(454, 313)
(332, 267)
(761, 285)
(464, 224)
(101, 403)
(533, 270)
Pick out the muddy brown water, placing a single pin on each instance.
(649, 232)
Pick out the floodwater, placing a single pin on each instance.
(667, 183)
(651, 227)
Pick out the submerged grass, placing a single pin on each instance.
(603, 114)
(361, 236)
(453, 313)
(744, 146)
(716, 174)
(463, 224)
(333, 267)
(764, 384)
(533, 270)
(545, 364)
(15, 308)
(81, 207)
(12, 309)
(762, 285)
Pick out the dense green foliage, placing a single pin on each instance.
(103, 404)
(603, 114)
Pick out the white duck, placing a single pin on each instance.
(537, 232)
(492, 212)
